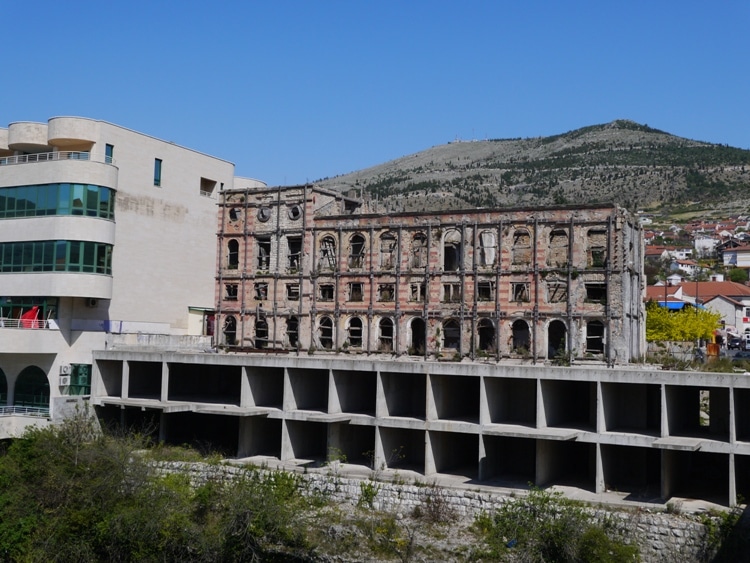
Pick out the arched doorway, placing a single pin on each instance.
(355, 332)
(261, 333)
(32, 388)
(452, 334)
(230, 331)
(557, 339)
(325, 333)
(417, 347)
(521, 343)
(486, 335)
(385, 342)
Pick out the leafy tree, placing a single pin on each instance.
(685, 325)
(737, 275)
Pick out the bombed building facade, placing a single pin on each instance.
(306, 269)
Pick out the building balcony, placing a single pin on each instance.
(62, 166)
(62, 284)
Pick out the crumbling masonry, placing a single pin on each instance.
(306, 269)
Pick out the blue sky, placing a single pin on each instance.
(292, 91)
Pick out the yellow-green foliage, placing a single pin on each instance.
(684, 325)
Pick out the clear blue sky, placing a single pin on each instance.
(292, 91)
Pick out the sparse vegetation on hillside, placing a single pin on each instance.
(621, 162)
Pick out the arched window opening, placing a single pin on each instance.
(261, 333)
(292, 328)
(233, 254)
(388, 251)
(452, 251)
(3, 389)
(597, 248)
(557, 340)
(558, 249)
(487, 248)
(521, 340)
(419, 251)
(325, 333)
(264, 253)
(32, 388)
(355, 332)
(521, 247)
(357, 252)
(417, 347)
(385, 338)
(595, 337)
(327, 259)
(452, 334)
(230, 331)
(486, 335)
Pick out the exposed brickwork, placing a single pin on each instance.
(302, 268)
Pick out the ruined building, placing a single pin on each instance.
(305, 269)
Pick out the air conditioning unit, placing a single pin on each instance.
(91, 302)
(65, 369)
(64, 381)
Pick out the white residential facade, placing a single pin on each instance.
(103, 231)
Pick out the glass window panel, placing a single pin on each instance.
(61, 255)
(78, 195)
(63, 204)
(89, 256)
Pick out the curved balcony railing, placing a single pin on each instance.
(7, 322)
(24, 411)
(53, 156)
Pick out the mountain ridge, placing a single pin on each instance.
(622, 162)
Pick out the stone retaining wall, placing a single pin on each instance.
(662, 536)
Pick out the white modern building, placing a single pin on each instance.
(105, 233)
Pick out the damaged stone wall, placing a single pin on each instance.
(300, 269)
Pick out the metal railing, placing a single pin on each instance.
(25, 411)
(7, 322)
(53, 156)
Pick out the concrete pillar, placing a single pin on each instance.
(483, 469)
(541, 414)
(430, 466)
(732, 501)
(600, 485)
(484, 406)
(601, 423)
(334, 404)
(378, 460)
(125, 379)
(381, 405)
(246, 392)
(288, 403)
(164, 382)
(664, 412)
(431, 407)
(162, 427)
(287, 451)
(543, 463)
(245, 437)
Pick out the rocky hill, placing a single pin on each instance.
(620, 162)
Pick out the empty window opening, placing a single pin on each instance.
(485, 291)
(417, 292)
(233, 254)
(521, 338)
(385, 339)
(327, 254)
(452, 334)
(521, 247)
(386, 292)
(452, 255)
(355, 332)
(261, 291)
(557, 339)
(557, 292)
(597, 245)
(294, 253)
(558, 249)
(234, 214)
(230, 331)
(292, 291)
(325, 333)
(388, 251)
(418, 336)
(295, 212)
(326, 292)
(230, 292)
(264, 253)
(264, 214)
(520, 292)
(357, 252)
(261, 333)
(157, 172)
(355, 291)
(207, 187)
(596, 293)
(595, 337)
(487, 249)
(486, 335)
(451, 292)
(292, 328)
(419, 251)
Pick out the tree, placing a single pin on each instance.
(737, 275)
(685, 325)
